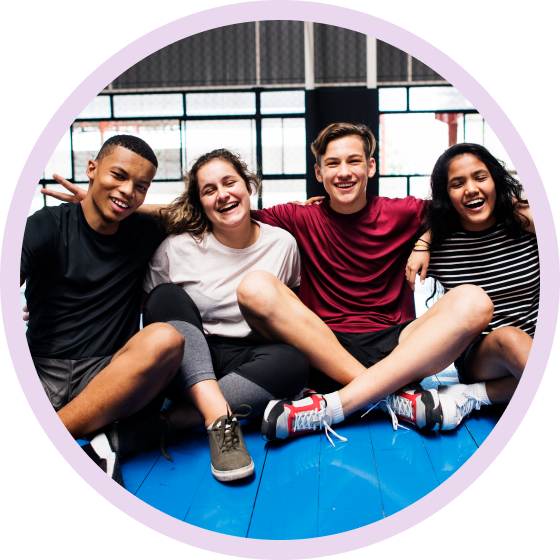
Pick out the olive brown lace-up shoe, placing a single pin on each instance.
(228, 453)
(140, 434)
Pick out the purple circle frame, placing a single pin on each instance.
(257, 11)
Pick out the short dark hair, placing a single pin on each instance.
(132, 143)
(340, 130)
(442, 218)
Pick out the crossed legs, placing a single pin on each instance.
(426, 346)
(138, 372)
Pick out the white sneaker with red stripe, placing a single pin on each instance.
(285, 418)
(415, 405)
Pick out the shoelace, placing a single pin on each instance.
(404, 408)
(468, 406)
(313, 420)
(229, 428)
(165, 433)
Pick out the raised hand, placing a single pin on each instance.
(78, 194)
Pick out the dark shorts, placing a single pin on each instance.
(460, 363)
(63, 380)
(368, 348)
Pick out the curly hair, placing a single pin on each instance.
(185, 213)
(442, 219)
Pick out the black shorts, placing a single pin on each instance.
(460, 361)
(368, 348)
(63, 380)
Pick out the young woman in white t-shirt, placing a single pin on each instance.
(192, 281)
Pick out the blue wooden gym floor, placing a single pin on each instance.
(376, 473)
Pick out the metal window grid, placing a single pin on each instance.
(401, 85)
(257, 117)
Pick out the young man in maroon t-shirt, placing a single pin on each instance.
(354, 318)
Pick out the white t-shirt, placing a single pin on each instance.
(210, 273)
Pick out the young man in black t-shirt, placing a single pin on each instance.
(84, 265)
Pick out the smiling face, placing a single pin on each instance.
(118, 186)
(472, 192)
(224, 196)
(345, 171)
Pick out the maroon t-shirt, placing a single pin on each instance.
(353, 264)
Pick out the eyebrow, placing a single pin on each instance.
(477, 172)
(334, 158)
(125, 172)
(224, 178)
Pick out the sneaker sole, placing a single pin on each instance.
(228, 476)
(264, 425)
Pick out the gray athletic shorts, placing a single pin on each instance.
(63, 380)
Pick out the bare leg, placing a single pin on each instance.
(206, 405)
(426, 346)
(137, 373)
(499, 359)
(274, 311)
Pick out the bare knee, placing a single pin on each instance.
(258, 294)
(510, 342)
(472, 306)
(164, 344)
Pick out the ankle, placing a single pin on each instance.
(478, 391)
(333, 400)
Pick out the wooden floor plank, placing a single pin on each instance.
(404, 469)
(348, 481)
(171, 486)
(136, 469)
(481, 422)
(448, 450)
(290, 478)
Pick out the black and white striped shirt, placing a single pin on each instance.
(506, 268)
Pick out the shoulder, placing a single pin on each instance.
(146, 227)
(50, 218)
(409, 210)
(273, 234)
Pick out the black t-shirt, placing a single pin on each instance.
(83, 288)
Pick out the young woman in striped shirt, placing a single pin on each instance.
(480, 231)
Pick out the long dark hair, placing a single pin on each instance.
(442, 219)
(185, 214)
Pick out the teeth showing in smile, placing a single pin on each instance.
(476, 203)
(120, 204)
(228, 207)
(344, 185)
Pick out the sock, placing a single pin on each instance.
(197, 363)
(333, 400)
(478, 391)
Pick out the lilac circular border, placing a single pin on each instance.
(257, 11)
